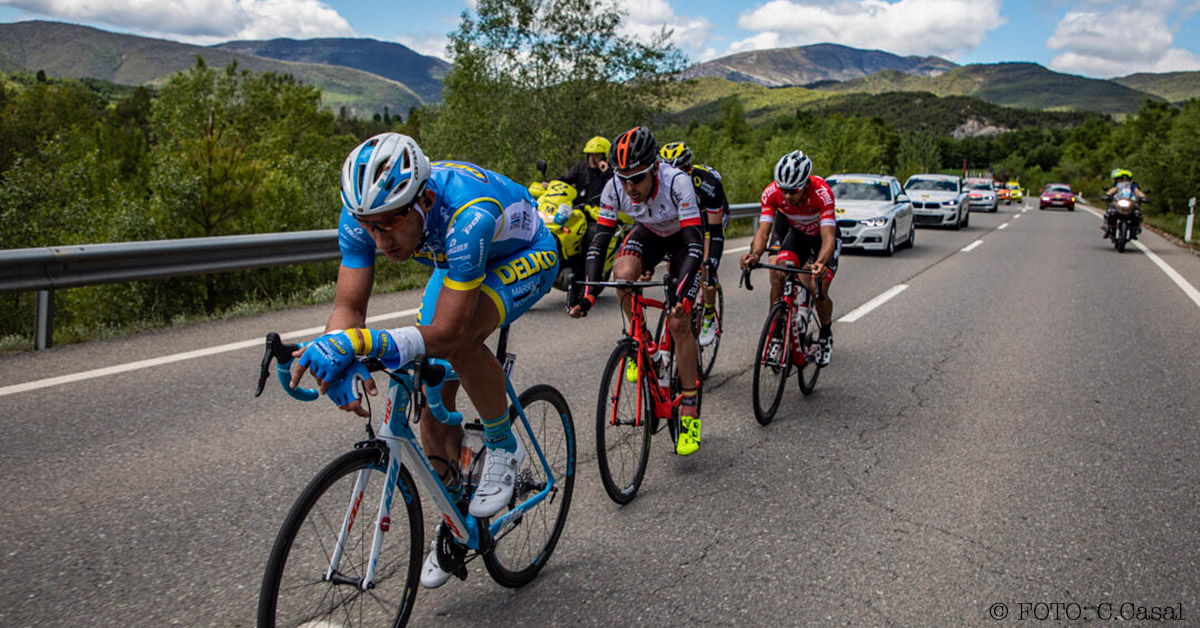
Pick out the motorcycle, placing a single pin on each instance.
(1123, 218)
(573, 225)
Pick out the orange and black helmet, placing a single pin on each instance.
(634, 149)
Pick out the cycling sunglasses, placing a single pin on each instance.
(636, 177)
(791, 190)
(385, 224)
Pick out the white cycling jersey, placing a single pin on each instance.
(671, 206)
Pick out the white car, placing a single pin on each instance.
(873, 213)
(938, 200)
(981, 194)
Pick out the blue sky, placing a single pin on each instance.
(1099, 38)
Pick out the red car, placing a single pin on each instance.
(1057, 195)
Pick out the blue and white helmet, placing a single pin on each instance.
(383, 173)
(792, 170)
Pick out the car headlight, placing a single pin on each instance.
(1046, 198)
(874, 222)
(950, 203)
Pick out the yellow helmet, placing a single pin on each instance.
(597, 145)
(1121, 172)
(677, 154)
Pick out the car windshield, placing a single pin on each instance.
(1014, 186)
(979, 185)
(1059, 189)
(933, 185)
(857, 190)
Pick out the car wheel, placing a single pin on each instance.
(1070, 208)
(890, 249)
(912, 235)
(995, 208)
(966, 219)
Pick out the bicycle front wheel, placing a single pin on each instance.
(772, 364)
(525, 542)
(298, 590)
(622, 433)
(809, 371)
(708, 353)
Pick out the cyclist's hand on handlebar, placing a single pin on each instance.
(326, 357)
(748, 260)
(343, 391)
(579, 310)
(818, 269)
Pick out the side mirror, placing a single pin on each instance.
(541, 166)
(903, 198)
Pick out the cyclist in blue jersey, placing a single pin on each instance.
(493, 259)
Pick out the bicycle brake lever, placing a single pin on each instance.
(745, 280)
(264, 370)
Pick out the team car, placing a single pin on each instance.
(873, 212)
(981, 194)
(938, 200)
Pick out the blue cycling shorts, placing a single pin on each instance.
(514, 283)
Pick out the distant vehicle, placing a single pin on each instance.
(1015, 192)
(873, 212)
(1002, 193)
(981, 194)
(1057, 195)
(938, 200)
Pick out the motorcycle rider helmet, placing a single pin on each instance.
(385, 172)
(1120, 173)
(677, 154)
(597, 145)
(792, 170)
(634, 149)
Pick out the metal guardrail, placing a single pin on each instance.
(59, 267)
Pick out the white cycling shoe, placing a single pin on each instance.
(432, 575)
(708, 331)
(825, 353)
(496, 487)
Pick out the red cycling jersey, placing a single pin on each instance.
(813, 213)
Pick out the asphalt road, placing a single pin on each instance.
(1019, 425)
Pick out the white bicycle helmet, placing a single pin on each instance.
(383, 173)
(792, 170)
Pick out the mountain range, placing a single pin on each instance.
(366, 75)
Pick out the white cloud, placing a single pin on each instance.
(1121, 39)
(200, 21)
(432, 44)
(646, 18)
(905, 27)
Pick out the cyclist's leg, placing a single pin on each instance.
(687, 354)
(779, 232)
(442, 443)
(640, 253)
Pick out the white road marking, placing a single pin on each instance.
(972, 246)
(1017, 216)
(1188, 289)
(1002, 227)
(179, 357)
(866, 308)
(1183, 284)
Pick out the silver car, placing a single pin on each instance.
(938, 200)
(873, 213)
(981, 194)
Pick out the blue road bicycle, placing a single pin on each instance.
(342, 559)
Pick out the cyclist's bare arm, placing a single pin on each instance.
(350, 298)
(761, 237)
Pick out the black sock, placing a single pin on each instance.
(827, 331)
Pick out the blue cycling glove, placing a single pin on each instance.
(344, 389)
(332, 353)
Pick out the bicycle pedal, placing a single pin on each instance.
(461, 573)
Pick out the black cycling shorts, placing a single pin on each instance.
(651, 248)
(807, 248)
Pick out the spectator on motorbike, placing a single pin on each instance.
(589, 175)
(1121, 177)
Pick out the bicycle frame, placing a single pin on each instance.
(404, 449)
(793, 290)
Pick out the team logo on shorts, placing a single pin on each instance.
(526, 266)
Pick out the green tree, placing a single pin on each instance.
(536, 78)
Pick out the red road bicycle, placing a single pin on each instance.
(639, 393)
(788, 339)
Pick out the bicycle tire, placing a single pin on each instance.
(524, 547)
(708, 355)
(308, 535)
(623, 449)
(774, 356)
(808, 373)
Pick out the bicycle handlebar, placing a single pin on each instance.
(745, 280)
(433, 372)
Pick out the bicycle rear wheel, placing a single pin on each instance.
(772, 363)
(295, 590)
(708, 354)
(622, 443)
(525, 543)
(809, 371)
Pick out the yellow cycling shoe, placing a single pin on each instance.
(631, 371)
(689, 436)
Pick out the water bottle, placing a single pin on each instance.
(799, 328)
(472, 448)
(563, 214)
(663, 361)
